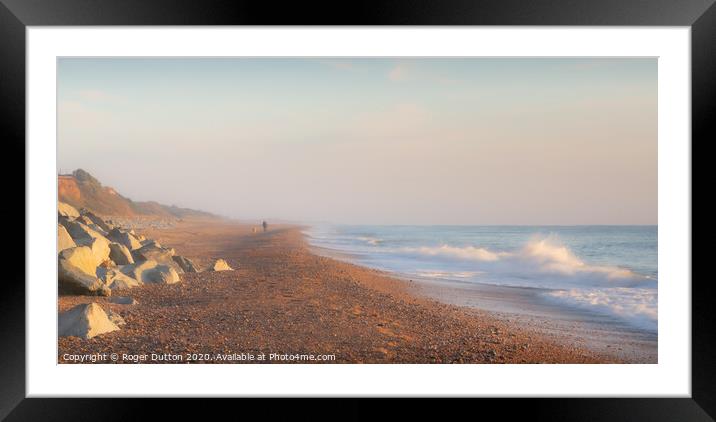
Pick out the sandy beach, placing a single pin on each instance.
(284, 299)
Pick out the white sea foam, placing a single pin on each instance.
(545, 262)
(446, 274)
(540, 262)
(468, 253)
(636, 306)
(370, 240)
(537, 258)
(553, 257)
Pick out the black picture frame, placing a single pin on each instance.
(16, 15)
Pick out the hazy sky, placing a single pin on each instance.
(363, 140)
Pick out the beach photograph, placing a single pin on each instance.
(378, 210)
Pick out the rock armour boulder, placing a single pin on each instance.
(115, 279)
(124, 238)
(220, 265)
(98, 221)
(77, 273)
(67, 210)
(64, 240)
(120, 254)
(151, 272)
(186, 264)
(85, 321)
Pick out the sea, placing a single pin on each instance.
(607, 270)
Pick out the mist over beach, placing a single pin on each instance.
(394, 210)
(371, 141)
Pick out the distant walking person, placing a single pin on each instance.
(265, 225)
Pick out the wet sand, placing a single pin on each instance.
(282, 299)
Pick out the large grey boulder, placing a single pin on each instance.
(84, 220)
(98, 229)
(220, 265)
(152, 252)
(81, 233)
(64, 240)
(76, 273)
(84, 235)
(120, 254)
(164, 274)
(116, 318)
(100, 249)
(98, 221)
(86, 321)
(151, 242)
(124, 238)
(185, 264)
(67, 210)
(151, 272)
(81, 258)
(115, 279)
(135, 270)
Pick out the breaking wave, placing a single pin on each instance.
(538, 257)
(370, 240)
(614, 273)
(469, 252)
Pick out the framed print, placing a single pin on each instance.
(230, 201)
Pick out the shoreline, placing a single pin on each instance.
(284, 298)
(527, 307)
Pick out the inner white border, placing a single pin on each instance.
(670, 377)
